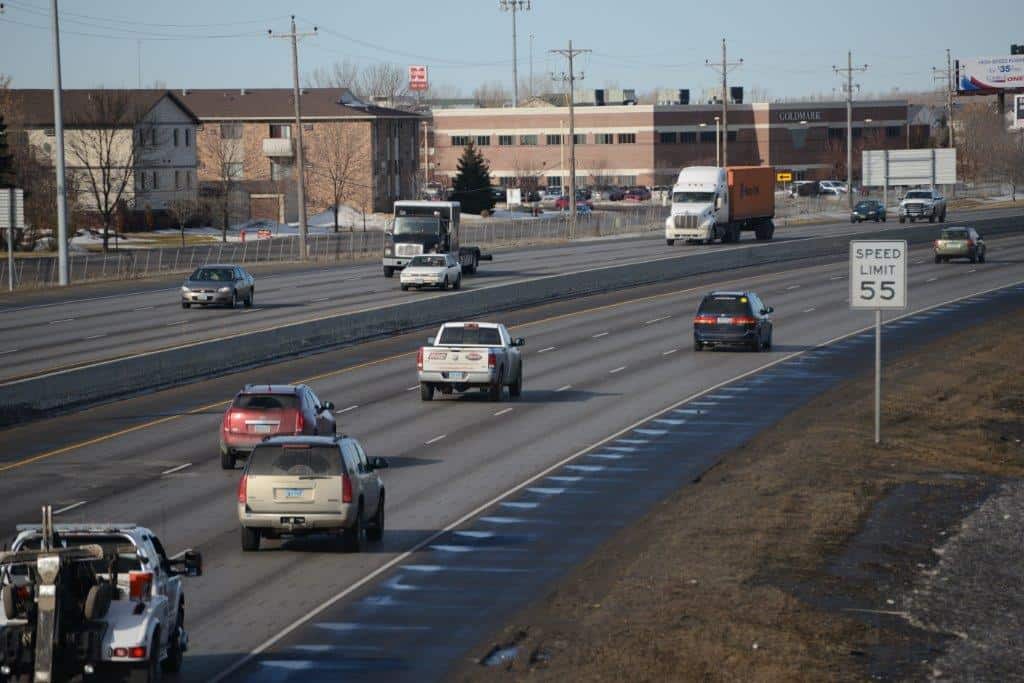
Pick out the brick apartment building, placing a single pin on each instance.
(370, 154)
(648, 144)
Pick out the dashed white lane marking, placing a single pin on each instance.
(345, 410)
(657, 320)
(599, 335)
(413, 388)
(674, 423)
(585, 468)
(70, 507)
(96, 336)
(703, 403)
(9, 351)
(502, 412)
(568, 480)
(607, 456)
(550, 348)
(651, 432)
(669, 352)
(837, 277)
(618, 369)
(179, 322)
(632, 441)
(973, 270)
(519, 505)
(320, 300)
(144, 308)
(474, 534)
(63, 320)
(436, 439)
(566, 387)
(179, 468)
(546, 490)
(499, 519)
(931, 279)
(735, 388)
(793, 287)
(809, 310)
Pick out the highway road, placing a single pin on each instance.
(593, 366)
(48, 331)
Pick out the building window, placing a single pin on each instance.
(553, 139)
(175, 134)
(483, 140)
(232, 170)
(188, 180)
(667, 138)
(460, 140)
(857, 132)
(280, 130)
(505, 140)
(152, 136)
(627, 138)
(506, 181)
(555, 182)
(187, 136)
(528, 140)
(231, 131)
(603, 138)
(892, 131)
(836, 133)
(688, 138)
(580, 138)
(707, 136)
(731, 137)
(156, 181)
(177, 180)
(280, 170)
(626, 180)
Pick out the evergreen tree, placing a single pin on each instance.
(473, 182)
(6, 160)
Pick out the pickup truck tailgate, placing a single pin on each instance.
(452, 359)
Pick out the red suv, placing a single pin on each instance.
(263, 410)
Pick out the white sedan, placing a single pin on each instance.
(432, 270)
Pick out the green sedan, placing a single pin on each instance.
(868, 210)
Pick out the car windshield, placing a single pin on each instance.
(213, 275)
(865, 206)
(266, 401)
(693, 197)
(919, 195)
(954, 234)
(428, 262)
(295, 461)
(122, 546)
(470, 336)
(725, 305)
(418, 225)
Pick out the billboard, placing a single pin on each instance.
(987, 75)
(418, 78)
(909, 167)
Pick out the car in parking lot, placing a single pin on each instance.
(828, 185)
(638, 194)
(218, 285)
(868, 210)
(260, 411)
(738, 319)
(961, 242)
(609, 194)
(432, 270)
(562, 203)
(300, 485)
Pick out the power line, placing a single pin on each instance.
(69, 16)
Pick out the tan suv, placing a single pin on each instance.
(299, 485)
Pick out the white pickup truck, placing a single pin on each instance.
(923, 204)
(464, 356)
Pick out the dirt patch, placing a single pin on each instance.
(811, 554)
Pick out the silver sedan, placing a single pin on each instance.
(218, 285)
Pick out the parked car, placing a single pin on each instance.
(531, 196)
(827, 185)
(499, 194)
(218, 285)
(960, 243)
(562, 203)
(804, 188)
(868, 210)
(609, 194)
(638, 194)
(830, 192)
(264, 410)
(733, 319)
(432, 270)
(294, 486)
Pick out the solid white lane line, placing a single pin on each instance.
(550, 348)
(598, 336)
(567, 386)
(502, 412)
(620, 369)
(179, 468)
(70, 507)
(809, 310)
(657, 320)
(345, 410)
(436, 439)
(63, 320)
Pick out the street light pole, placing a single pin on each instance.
(515, 6)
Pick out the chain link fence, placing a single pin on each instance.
(127, 264)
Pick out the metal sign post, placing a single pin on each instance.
(878, 281)
(12, 217)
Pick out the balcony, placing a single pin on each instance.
(278, 147)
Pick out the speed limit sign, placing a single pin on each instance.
(878, 274)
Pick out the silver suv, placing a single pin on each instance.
(299, 485)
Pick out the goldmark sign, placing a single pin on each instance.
(799, 116)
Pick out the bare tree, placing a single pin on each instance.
(989, 149)
(388, 81)
(226, 155)
(493, 94)
(183, 208)
(338, 161)
(344, 74)
(101, 146)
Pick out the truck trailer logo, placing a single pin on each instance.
(749, 190)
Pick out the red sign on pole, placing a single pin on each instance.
(418, 78)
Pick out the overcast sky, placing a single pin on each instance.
(788, 47)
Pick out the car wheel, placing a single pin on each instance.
(768, 344)
(458, 283)
(698, 346)
(249, 299)
(981, 257)
(757, 344)
(973, 257)
(175, 652)
(227, 460)
(185, 304)
(938, 259)
(670, 242)
(354, 537)
(853, 220)
(496, 392)
(234, 301)
(388, 271)
(942, 217)
(426, 391)
(404, 288)
(516, 389)
(250, 539)
(902, 219)
(931, 219)
(376, 531)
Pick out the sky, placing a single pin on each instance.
(788, 48)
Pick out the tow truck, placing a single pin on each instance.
(96, 600)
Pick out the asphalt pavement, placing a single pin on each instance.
(61, 329)
(593, 367)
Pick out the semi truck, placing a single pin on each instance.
(427, 227)
(709, 203)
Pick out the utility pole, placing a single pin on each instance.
(723, 70)
(300, 164)
(515, 6)
(947, 75)
(849, 71)
(58, 134)
(531, 65)
(571, 79)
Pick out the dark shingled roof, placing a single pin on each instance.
(277, 103)
(34, 106)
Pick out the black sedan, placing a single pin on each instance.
(733, 319)
(868, 210)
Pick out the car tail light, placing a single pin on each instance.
(970, 243)
(243, 489)
(137, 652)
(119, 651)
(492, 360)
(234, 421)
(346, 489)
(419, 359)
(744, 320)
(704, 320)
(300, 422)
(139, 584)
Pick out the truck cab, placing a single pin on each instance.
(700, 202)
(426, 227)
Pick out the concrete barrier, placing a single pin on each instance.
(37, 397)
